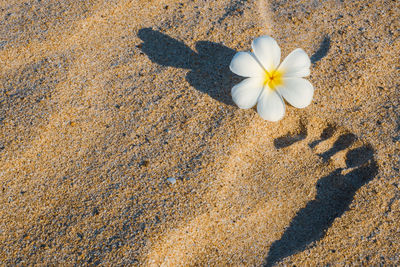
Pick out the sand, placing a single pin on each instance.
(120, 144)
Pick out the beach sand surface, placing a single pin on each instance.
(120, 143)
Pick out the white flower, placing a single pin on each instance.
(268, 81)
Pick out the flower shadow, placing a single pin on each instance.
(208, 65)
(322, 51)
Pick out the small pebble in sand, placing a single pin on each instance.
(172, 180)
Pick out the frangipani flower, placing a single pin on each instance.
(268, 81)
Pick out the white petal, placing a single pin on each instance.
(297, 91)
(270, 105)
(267, 52)
(245, 94)
(296, 64)
(246, 65)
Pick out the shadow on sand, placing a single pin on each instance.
(335, 192)
(209, 66)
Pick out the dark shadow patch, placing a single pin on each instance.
(335, 192)
(322, 50)
(166, 51)
(358, 156)
(326, 133)
(290, 139)
(209, 66)
(343, 142)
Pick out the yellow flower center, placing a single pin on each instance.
(273, 79)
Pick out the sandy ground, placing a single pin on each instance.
(102, 102)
